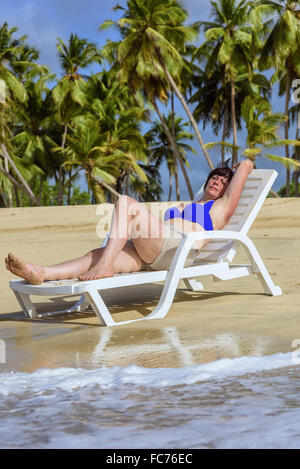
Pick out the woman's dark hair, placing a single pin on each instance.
(222, 170)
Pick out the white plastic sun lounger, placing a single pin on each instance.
(215, 259)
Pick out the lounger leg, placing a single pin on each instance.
(260, 270)
(99, 307)
(171, 283)
(30, 311)
(165, 301)
(106, 319)
(269, 287)
(193, 284)
(26, 305)
(79, 307)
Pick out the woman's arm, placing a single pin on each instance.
(232, 195)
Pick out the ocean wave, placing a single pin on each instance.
(245, 402)
(68, 379)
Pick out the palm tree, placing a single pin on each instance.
(154, 37)
(261, 124)
(35, 134)
(169, 130)
(212, 94)
(85, 151)
(296, 156)
(150, 191)
(70, 93)
(281, 50)
(229, 41)
(15, 93)
(159, 148)
(103, 154)
(262, 131)
(119, 115)
(9, 49)
(295, 116)
(79, 53)
(24, 66)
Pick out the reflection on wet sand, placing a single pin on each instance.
(151, 347)
(172, 349)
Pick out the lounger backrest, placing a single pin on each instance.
(252, 198)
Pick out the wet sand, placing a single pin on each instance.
(227, 319)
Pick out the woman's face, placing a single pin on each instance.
(216, 186)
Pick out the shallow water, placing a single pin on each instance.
(244, 402)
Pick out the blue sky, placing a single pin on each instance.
(43, 21)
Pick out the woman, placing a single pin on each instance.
(138, 240)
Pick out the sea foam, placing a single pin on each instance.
(107, 377)
(245, 402)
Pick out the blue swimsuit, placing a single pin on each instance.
(197, 213)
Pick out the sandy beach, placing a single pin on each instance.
(227, 319)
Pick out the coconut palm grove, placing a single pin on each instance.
(119, 127)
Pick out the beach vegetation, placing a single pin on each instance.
(112, 119)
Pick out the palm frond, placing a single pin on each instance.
(287, 162)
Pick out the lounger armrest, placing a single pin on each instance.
(218, 234)
(189, 238)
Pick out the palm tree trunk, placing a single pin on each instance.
(189, 114)
(175, 149)
(286, 129)
(61, 170)
(225, 124)
(234, 129)
(186, 178)
(18, 204)
(274, 194)
(170, 185)
(3, 196)
(9, 195)
(23, 186)
(176, 155)
(106, 186)
(127, 182)
(296, 183)
(182, 166)
(40, 192)
(176, 179)
(297, 155)
(18, 185)
(69, 187)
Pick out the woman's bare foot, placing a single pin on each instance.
(30, 272)
(98, 271)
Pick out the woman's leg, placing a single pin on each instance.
(36, 274)
(128, 260)
(130, 219)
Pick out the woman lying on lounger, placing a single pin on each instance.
(138, 240)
